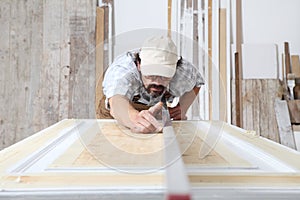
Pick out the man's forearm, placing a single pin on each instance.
(122, 110)
(187, 99)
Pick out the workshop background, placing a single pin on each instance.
(53, 54)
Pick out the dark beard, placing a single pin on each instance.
(155, 93)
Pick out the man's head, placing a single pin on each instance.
(158, 63)
(159, 57)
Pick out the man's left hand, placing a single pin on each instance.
(176, 113)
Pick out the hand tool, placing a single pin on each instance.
(291, 84)
(176, 177)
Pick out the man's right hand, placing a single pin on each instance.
(145, 121)
(138, 122)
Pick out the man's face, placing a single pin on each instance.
(155, 85)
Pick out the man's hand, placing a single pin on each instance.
(176, 113)
(145, 121)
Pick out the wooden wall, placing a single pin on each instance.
(47, 64)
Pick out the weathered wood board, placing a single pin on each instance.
(294, 111)
(284, 124)
(47, 64)
(258, 98)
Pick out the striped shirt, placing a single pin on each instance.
(123, 78)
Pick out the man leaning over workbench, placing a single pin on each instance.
(136, 81)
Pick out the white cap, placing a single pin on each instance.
(159, 57)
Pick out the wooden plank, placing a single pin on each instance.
(89, 179)
(258, 106)
(5, 68)
(287, 58)
(64, 73)
(223, 65)
(294, 111)
(210, 64)
(169, 17)
(296, 65)
(107, 40)
(37, 64)
(263, 108)
(249, 103)
(195, 107)
(50, 73)
(233, 99)
(195, 34)
(274, 88)
(238, 93)
(238, 61)
(272, 180)
(284, 124)
(82, 81)
(91, 15)
(19, 75)
(99, 54)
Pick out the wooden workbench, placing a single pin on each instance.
(99, 159)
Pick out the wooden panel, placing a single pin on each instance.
(36, 66)
(258, 96)
(237, 159)
(294, 110)
(284, 124)
(115, 146)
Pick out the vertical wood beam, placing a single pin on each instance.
(223, 65)
(99, 54)
(238, 91)
(169, 17)
(210, 64)
(239, 67)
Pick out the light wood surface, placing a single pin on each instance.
(116, 146)
(102, 155)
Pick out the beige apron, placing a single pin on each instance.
(103, 113)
